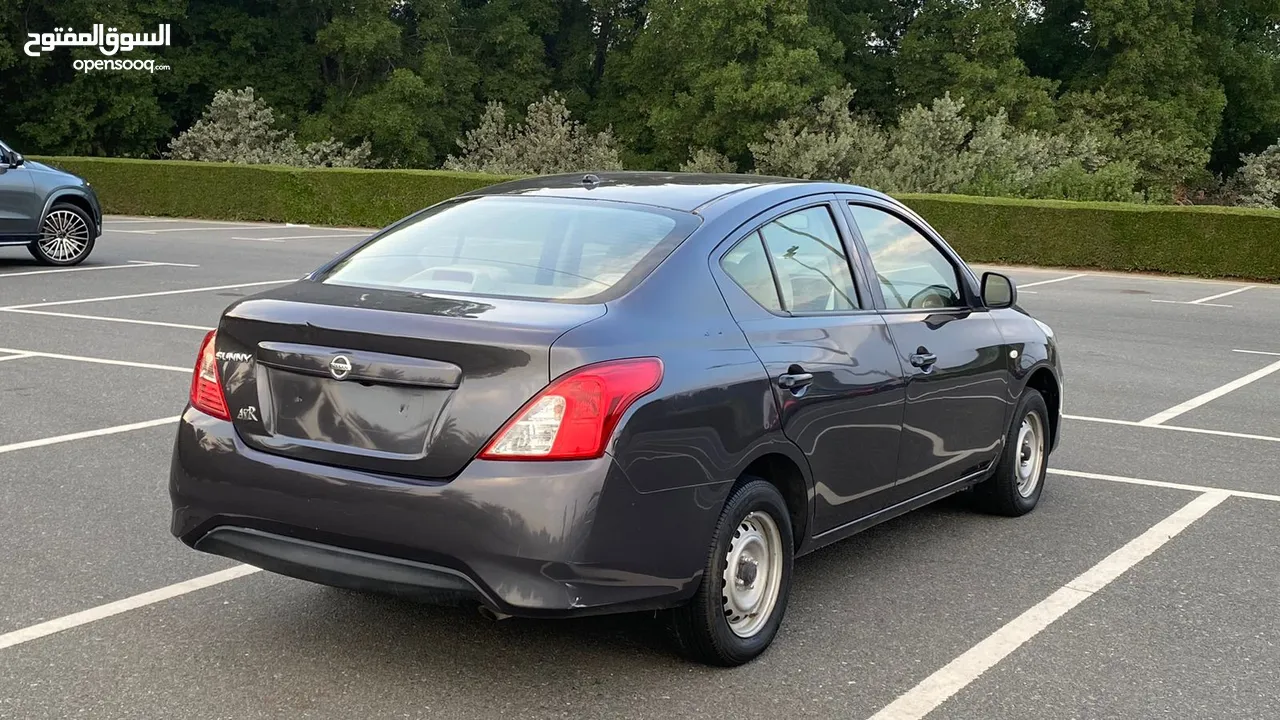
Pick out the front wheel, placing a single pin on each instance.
(66, 236)
(738, 609)
(1015, 486)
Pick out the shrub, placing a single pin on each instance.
(826, 142)
(547, 142)
(703, 160)
(237, 127)
(1257, 182)
(939, 149)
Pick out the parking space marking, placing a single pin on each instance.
(959, 673)
(1205, 300)
(104, 318)
(100, 361)
(1054, 280)
(1175, 428)
(309, 237)
(1207, 397)
(56, 439)
(159, 293)
(185, 229)
(18, 356)
(151, 597)
(1162, 484)
(1221, 295)
(1257, 352)
(126, 266)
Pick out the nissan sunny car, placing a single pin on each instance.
(628, 391)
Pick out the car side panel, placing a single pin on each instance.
(685, 444)
(20, 203)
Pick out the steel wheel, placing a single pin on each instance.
(64, 236)
(752, 574)
(1030, 448)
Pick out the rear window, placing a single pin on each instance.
(538, 248)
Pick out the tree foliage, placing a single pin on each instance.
(1176, 93)
(547, 142)
(240, 128)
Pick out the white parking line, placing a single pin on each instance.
(18, 356)
(1257, 352)
(184, 229)
(1213, 394)
(84, 617)
(1054, 280)
(130, 264)
(1205, 300)
(956, 675)
(1162, 484)
(42, 442)
(1176, 428)
(104, 318)
(314, 237)
(1221, 295)
(134, 296)
(101, 361)
(1202, 304)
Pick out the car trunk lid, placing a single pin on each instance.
(387, 381)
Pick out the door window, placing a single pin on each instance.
(912, 272)
(809, 260)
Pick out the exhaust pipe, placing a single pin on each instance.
(488, 614)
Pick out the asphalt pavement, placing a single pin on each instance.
(1144, 586)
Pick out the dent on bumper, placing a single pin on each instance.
(531, 539)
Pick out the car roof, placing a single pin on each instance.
(677, 191)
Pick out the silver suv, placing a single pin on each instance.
(54, 213)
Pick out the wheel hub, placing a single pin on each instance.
(1030, 454)
(752, 574)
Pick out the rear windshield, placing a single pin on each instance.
(538, 248)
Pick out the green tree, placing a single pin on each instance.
(970, 49)
(716, 73)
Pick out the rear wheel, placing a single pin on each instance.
(747, 581)
(1015, 486)
(66, 236)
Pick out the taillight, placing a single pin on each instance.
(206, 385)
(573, 418)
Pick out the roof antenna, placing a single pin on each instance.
(590, 180)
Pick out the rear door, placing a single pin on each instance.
(956, 361)
(837, 380)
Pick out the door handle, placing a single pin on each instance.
(923, 360)
(792, 381)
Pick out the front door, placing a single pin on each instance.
(955, 359)
(836, 374)
(19, 206)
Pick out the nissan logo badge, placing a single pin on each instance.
(340, 367)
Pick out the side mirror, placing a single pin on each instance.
(15, 159)
(998, 291)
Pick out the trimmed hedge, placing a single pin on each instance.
(225, 191)
(1205, 241)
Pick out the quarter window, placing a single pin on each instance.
(748, 266)
(912, 272)
(812, 268)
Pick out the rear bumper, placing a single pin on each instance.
(340, 567)
(523, 539)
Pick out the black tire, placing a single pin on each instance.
(1000, 494)
(72, 251)
(701, 627)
